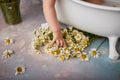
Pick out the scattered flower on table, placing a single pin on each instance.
(8, 41)
(84, 57)
(19, 70)
(94, 53)
(7, 53)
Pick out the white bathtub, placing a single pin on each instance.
(97, 19)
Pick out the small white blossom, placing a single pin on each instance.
(93, 52)
(84, 57)
(8, 41)
(19, 70)
(7, 53)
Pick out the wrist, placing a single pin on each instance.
(58, 31)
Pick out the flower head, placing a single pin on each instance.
(94, 53)
(68, 38)
(84, 57)
(67, 55)
(77, 37)
(74, 32)
(84, 41)
(7, 53)
(19, 70)
(8, 41)
(61, 57)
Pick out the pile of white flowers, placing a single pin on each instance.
(76, 43)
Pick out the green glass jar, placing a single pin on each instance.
(11, 11)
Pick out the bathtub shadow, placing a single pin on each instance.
(118, 47)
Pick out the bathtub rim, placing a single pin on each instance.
(96, 6)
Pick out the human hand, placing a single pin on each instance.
(58, 38)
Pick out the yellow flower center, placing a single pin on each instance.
(66, 48)
(94, 53)
(78, 37)
(73, 54)
(68, 38)
(52, 52)
(7, 41)
(83, 56)
(73, 45)
(7, 54)
(76, 49)
(19, 69)
(74, 33)
(84, 43)
(61, 57)
(57, 51)
(67, 55)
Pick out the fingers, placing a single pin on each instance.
(64, 43)
(59, 43)
(52, 42)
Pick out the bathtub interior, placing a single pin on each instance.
(112, 3)
(108, 5)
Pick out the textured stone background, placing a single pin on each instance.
(44, 66)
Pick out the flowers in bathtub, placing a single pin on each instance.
(75, 39)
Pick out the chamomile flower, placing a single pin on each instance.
(57, 51)
(61, 57)
(19, 70)
(67, 55)
(84, 57)
(52, 52)
(84, 41)
(8, 41)
(70, 28)
(74, 32)
(65, 30)
(7, 53)
(76, 50)
(78, 37)
(66, 49)
(73, 54)
(93, 52)
(68, 38)
(72, 44)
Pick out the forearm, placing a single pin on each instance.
(50, 15)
